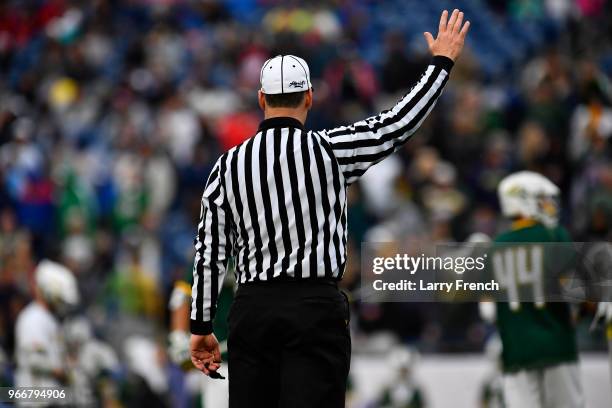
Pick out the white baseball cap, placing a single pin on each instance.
(285, 74)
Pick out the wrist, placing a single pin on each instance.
(200, 327)
(443, 62)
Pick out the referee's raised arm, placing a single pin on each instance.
(362, 144)
(277, 205)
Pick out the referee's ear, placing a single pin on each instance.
(261, 98)
(308, 99)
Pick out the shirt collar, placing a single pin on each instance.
(280, 122)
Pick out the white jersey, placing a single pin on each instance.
(39, 347)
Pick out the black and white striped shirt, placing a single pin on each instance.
(277, 202)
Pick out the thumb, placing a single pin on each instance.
(429, 38)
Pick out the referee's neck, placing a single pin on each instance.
(298, 114)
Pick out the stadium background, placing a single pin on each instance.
(113, 112)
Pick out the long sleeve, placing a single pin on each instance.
(359, 146)
(213, 250)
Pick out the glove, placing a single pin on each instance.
(178, 348)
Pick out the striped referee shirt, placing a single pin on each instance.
(277, 202)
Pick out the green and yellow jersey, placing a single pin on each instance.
(534, 334)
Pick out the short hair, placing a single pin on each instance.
(286, 100)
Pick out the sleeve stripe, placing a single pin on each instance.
(200, 269)
(228, 226)
(390, 116)
(211, 252)
(438, 64)
(398, 136)
(214, 268)
(358, 172)
(408, 114)
(365, 143)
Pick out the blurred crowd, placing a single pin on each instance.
(112, 113)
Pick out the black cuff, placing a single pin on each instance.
(198, 327)
(443, 62)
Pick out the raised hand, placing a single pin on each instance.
(451, 35)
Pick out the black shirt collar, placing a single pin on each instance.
(280, 122)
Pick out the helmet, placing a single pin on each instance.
(530, 195)
(57, 285)
(479, 238)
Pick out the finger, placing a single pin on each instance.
(465, 29)
(457, 25)
(429, 38)
(203, 368)
(217, 355)
(198, 361)
(201, 362)
(443, 20)
(211, 368)
(199, 365)
(452, 20)
(202, 355)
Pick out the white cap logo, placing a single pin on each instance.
(285, 74)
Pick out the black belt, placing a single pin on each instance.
(288, 286)
(288, 281)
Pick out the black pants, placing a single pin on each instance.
(289, 346)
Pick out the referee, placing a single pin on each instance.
(277, 205)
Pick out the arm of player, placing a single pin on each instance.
(42, 361)
(359, 146)
(213, 250)
(178, 338)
